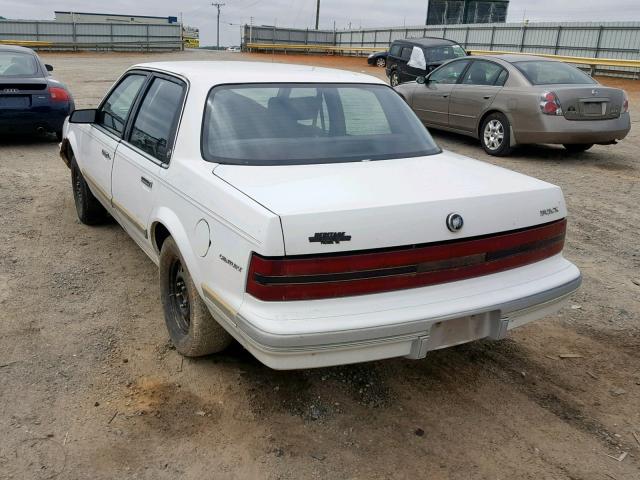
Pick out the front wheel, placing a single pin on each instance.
(90, 211)
(495, 135)
(394, 78)
(381, 62)
(192, 329)
(577, 147)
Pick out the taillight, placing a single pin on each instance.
(549, 104)
(331, 276)
(625, 103)
(59, 94)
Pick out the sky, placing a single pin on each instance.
(301, 13)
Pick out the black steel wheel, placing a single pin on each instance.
(90, 211)
(192, 329)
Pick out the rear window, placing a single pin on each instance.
(16, 64)
(542, 72)
(310, 123)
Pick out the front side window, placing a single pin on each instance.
(449, 73)
(310, 123)
(155, 121)
(395, 50)
(544, 72)
(482, 73)
(16, 64)
(115, 110)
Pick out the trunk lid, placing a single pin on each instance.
(23, 93)
(589, 102)
(368, 205)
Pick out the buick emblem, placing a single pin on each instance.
(454, 222)
(594, 92)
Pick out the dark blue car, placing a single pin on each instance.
(30, 99)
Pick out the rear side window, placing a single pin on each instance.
(447, 52)
(544, 72)
(406, 52)
(16, 64)
(310, 124)
(154, 125)
(115, 110)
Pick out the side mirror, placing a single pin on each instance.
(421, 80)
(48, 67)
(86, 116)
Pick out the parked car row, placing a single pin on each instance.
(31, 100)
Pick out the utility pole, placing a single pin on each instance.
(218, 6)
(317, 14)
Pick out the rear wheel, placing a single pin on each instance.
(90, 211)
(192, 329)
(381, 62)
(578, 147)
(394, 78)
(495, 135)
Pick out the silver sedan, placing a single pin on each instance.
(508, 100)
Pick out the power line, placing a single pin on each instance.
(218, 6)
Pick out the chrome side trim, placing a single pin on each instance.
(129, 216)
(214, 298)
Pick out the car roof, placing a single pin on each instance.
(229, 72)
(427, 41)
(514, 57)
(16, 48)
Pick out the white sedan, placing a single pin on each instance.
(308, 214)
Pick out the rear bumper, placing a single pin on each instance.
(397, 324)
(27, 121)
(559, 130)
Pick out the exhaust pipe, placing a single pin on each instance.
(40, 130)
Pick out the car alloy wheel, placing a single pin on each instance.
(494, 134)
(395, 80)
(381, 62)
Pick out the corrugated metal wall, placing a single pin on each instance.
(92, 36)
(604, 40)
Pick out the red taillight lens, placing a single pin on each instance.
(331, 276)
(59, 94)
(549, 104)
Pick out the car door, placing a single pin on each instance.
(416, 65)
(431, 100)
(145, 149)
(475, 93)
(100, 139)
(393, 57)
(403, 68)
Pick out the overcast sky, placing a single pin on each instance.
(301, 13)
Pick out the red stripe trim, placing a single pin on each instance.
(528, 239)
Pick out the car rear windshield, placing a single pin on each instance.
(541, 72)
(281, 124)
(16, 64)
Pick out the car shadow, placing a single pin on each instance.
(27, 139)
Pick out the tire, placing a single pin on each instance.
(192, 329)
(578, 147)
(495, 135)
(394, 78)
(381, 62)
(90, 211)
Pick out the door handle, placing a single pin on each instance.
(445, 95)
(487, 97)
(106, 154)
(146, 183)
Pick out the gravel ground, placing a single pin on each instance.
(90, 387)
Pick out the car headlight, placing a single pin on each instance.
(371, 56)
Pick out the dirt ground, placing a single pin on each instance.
(90, 387)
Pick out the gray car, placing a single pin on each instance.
(509, 100)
